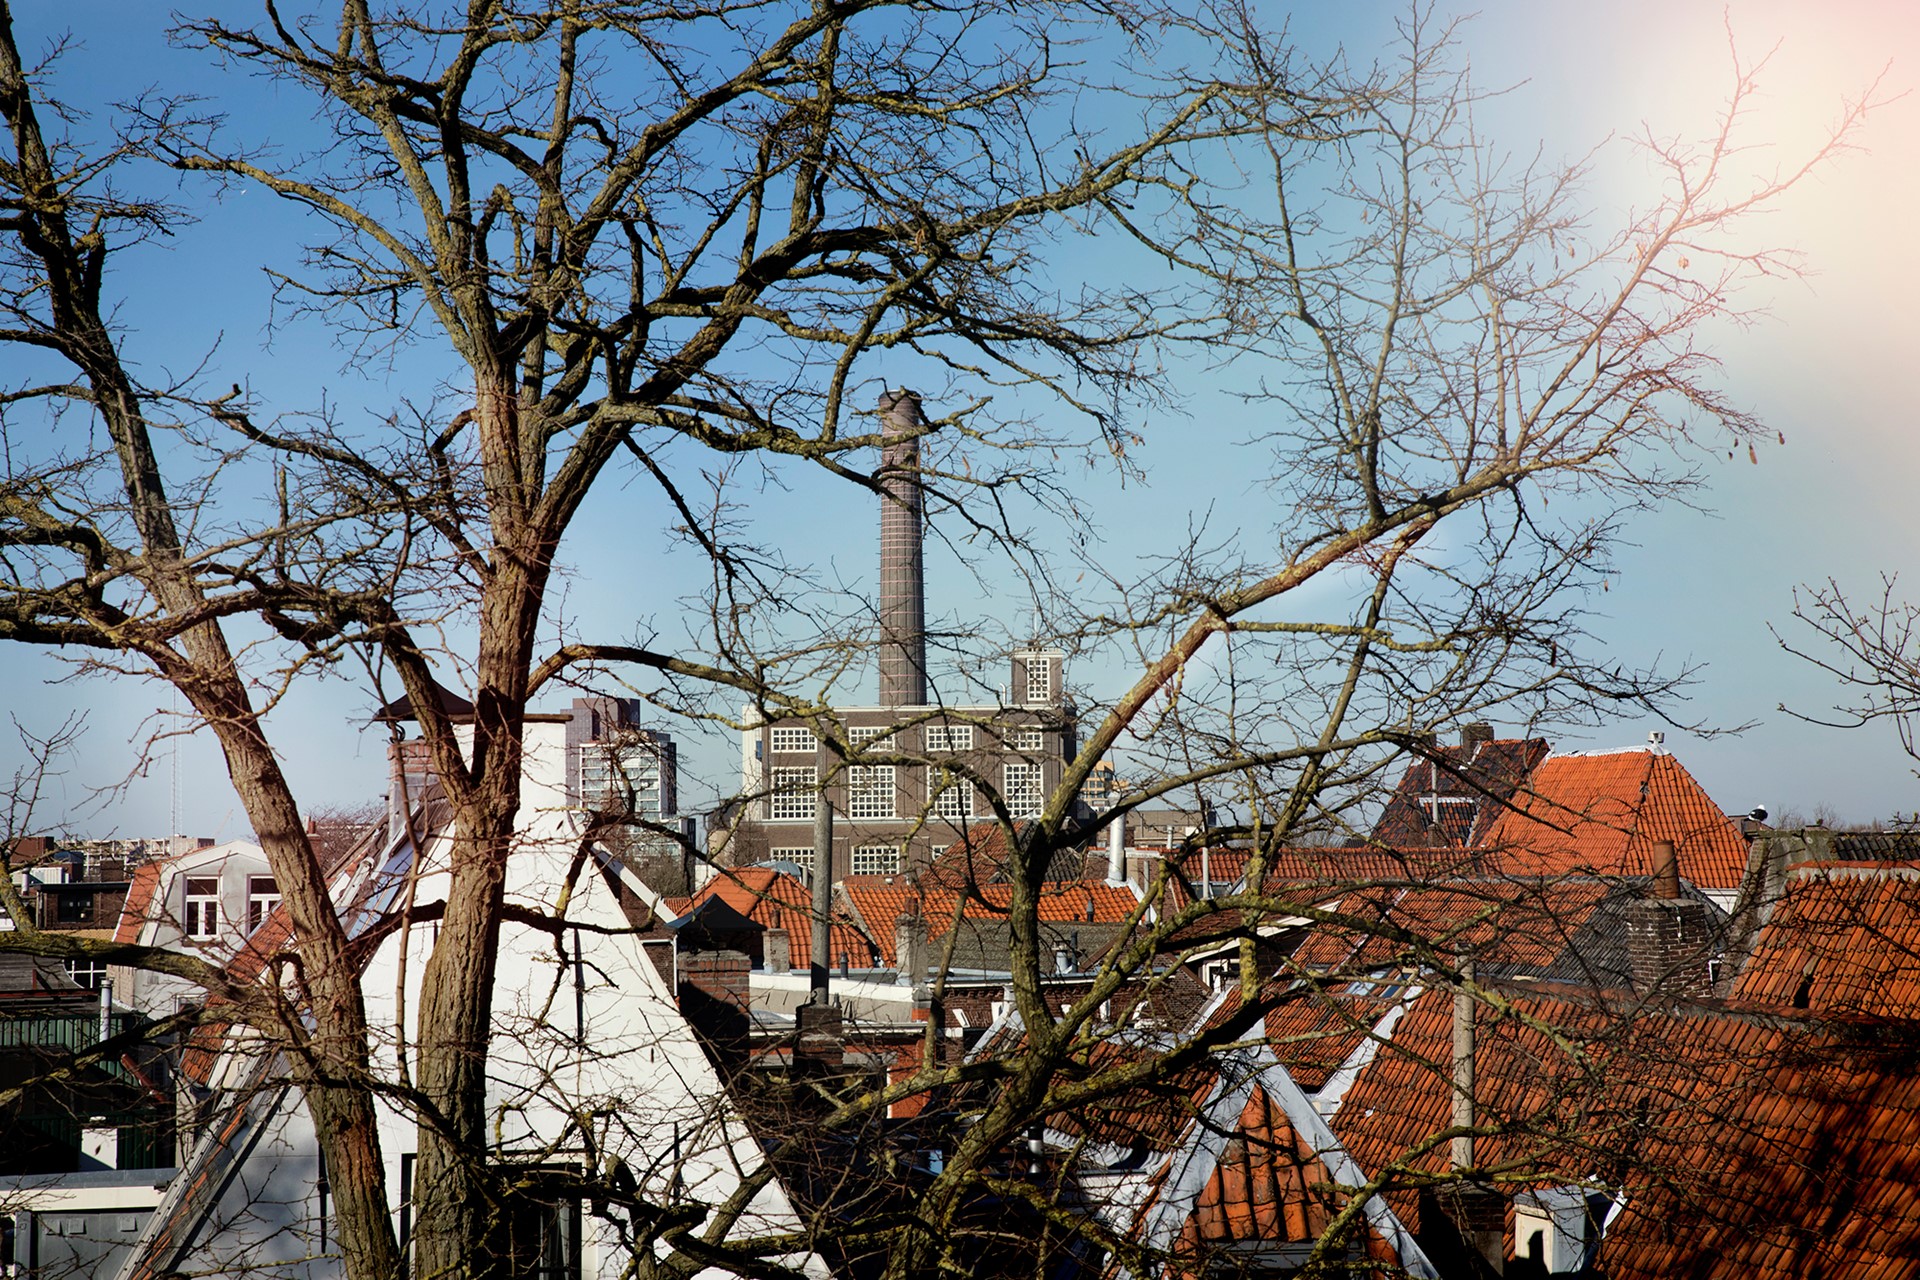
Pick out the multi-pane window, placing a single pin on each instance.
(800, 856)
(1022, 790)
(202, 918)
(620, 778)
(263, 895)
(870, 791)
(876, 859)
(955, 799)
(793, 793)
(87, 973)
(1026, 740)
(795, 740)
(1039, 681)
(539, 1240)
(872, 737)
(949, 737)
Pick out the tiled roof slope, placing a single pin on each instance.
(1569, 929)
(1451, 798)
(1844, 938)
(1759, 1148)
(1601, 813)
(1268, 1186)
(139, 902)
(779, 901)
(881, 900)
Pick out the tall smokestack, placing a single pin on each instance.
(903, 607)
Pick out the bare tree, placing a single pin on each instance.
(630, 237)
(1870, 646)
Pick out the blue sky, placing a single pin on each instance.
(1827, 370)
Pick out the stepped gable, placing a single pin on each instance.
(1844, 938)
(1600, 813)
(1452, 796)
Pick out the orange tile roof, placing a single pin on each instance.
(1157, 1114)
(1268, 1186)
(1522, 925)
(879, 901)
(140, 895)
(1844, 938)
(1748, 1147)
(780, 901)
(1601, 813)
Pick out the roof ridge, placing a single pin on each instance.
(1642, 748)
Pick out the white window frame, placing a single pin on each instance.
(794, 794)
(789, 740)
(263, 898)
(876, 859)
(954, 796)
(871, 792)
(86, 971)
(1039, 681)
(949, 737)
(1028, 741)
(200, 910)
(620, 777)
(872, 737)
(1021, 789)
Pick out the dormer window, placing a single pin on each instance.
(202, 917)
(263, 897)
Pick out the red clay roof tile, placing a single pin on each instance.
(1602, 813)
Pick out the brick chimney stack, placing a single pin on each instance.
(903, 609)
(1668, 940)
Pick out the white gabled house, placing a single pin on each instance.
(591, 1066)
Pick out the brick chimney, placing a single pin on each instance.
(716, 994)
(903, 609)
(910, 948)
(777, 947)
(1668, 941)
(819, 1038)
(409, 769)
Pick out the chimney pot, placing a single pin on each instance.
(910, 949)
(1666, 871)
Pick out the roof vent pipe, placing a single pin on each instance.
(1666, 871)
(1117, 851)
